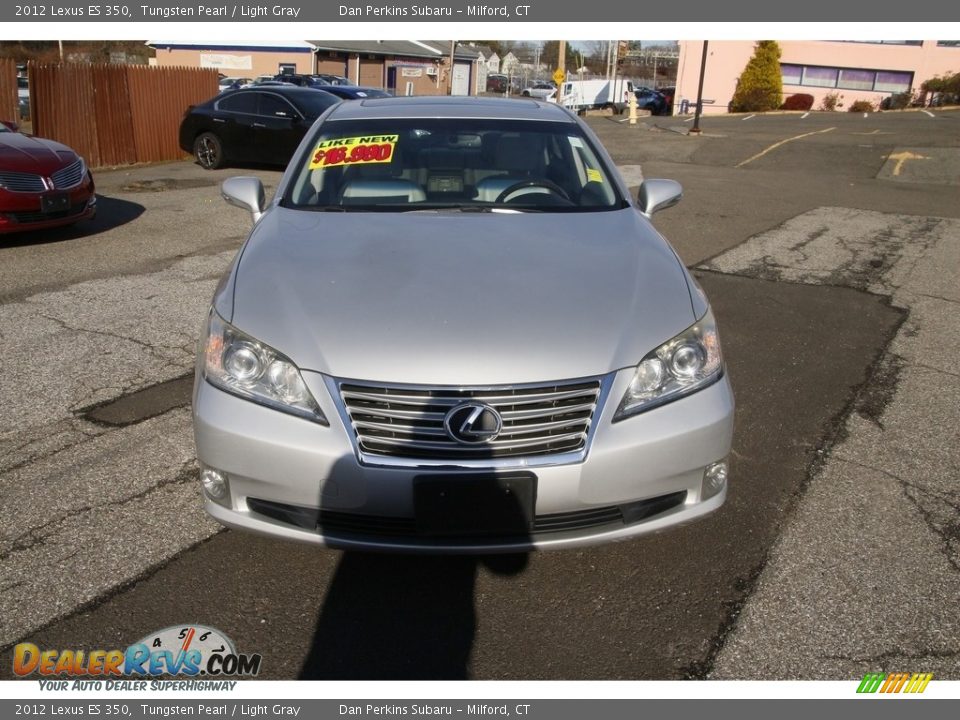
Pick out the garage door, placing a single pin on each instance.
(332, 66)
(371, 73)
(461, 79)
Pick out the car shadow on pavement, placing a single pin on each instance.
(388, 617)
(111, 213)
(406, 617)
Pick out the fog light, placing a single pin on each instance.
(214, 483)
(714, 479)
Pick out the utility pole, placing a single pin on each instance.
(453, 48)
(562, 56)
(695, 130)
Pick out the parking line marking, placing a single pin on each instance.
(749, 116)
(901, 157)
(782, 142)
(804, 115)
(927, 112)
(689, 120)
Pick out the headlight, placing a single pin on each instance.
(680, 366)
(239, 364)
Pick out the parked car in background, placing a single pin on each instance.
(355, 92)
(317, 80)
(651, 100)
(452, 330)
(43, 184)
(497, 83)
(23, 97)
(541, 91)
(334, 79)
(261, 124)
(234, 83)
(668, 94)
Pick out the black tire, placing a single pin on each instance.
(208, 150)
(526, 94)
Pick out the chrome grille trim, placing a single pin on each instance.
(395, 425)
(22, 182)
(68, 177)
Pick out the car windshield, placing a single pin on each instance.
(451, 163)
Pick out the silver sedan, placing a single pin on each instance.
(453, 330)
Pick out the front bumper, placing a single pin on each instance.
(20, 212)
(294, 479)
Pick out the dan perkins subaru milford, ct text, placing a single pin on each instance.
(452, 330)
(391, 11)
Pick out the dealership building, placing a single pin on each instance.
(405, 67)
(853, 70)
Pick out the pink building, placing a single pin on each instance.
(853, 70)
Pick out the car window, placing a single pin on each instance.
(275, 106)
(240, 102)
(435, 163)
(314, 103)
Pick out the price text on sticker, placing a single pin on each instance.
(346, 151)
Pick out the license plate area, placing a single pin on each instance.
(470, 505)
(54, 202)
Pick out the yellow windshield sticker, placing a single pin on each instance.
(364, 150)
(594, 175)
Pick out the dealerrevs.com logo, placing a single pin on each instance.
(180, 650)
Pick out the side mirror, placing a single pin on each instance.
(656, 195)
(246, 193)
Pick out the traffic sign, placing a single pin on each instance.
(559, 76)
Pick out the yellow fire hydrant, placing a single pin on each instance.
(632, 102)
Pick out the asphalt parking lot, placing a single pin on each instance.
(830, 248)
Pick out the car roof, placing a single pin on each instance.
(279, 88)
(439, 106)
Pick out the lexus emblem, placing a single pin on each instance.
(472, 423)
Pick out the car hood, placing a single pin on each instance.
(22, 153)
(458, 298)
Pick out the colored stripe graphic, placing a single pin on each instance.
(871, 682)
(895, 682)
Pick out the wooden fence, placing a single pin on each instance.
(9, 106)
(116, 114)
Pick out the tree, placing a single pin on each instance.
(760, 86)
(550, 55)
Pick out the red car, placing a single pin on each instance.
(43, 184)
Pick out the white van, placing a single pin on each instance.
(583, 95)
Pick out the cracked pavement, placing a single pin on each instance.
(95, 507)
(866, 574)
(66, 479)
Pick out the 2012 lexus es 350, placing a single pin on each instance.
(453, 330)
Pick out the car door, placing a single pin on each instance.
(233, 121)
(278, 129)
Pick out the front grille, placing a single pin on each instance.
(37, 216)
(69, 177)
(334, 523)
(22, 182)
(408, 422)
